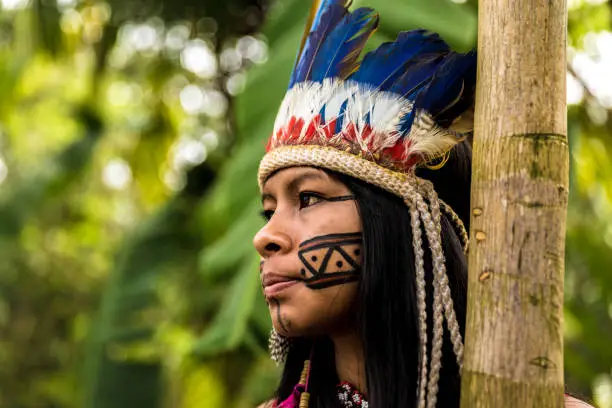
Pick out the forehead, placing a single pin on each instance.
(289, 177)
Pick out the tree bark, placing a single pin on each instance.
(514, 338)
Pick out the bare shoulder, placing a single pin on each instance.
(268, 404)
(571, 402)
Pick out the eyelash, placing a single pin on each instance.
(267, 214)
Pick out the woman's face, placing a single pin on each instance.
(311, 252)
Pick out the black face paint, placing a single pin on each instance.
(341, 198)
(279, 318)
(331, 260)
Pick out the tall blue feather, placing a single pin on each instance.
(384, 67)
(326, 17)
(340, 50)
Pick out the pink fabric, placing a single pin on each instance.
(294, 399)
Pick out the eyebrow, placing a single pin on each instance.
(293, 185)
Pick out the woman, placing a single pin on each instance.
(365, 189)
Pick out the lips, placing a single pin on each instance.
(274, 284)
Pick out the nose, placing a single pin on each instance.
(271, 240)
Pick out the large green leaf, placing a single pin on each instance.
(267, 83)
(282, 17)
(456, 23)
(237, 185)
(232, 247)
(228, 329)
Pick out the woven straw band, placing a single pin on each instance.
(424, 207)
(400, 184)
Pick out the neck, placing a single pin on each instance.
(350, 362)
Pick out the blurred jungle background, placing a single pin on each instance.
(130, 134)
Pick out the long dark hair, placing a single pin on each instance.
(387, 313)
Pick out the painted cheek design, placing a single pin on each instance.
(331, 260)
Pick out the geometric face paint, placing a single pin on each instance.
(330, 260)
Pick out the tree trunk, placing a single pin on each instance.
(514, 337)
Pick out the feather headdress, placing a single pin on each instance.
(378, 118)
(400, 106)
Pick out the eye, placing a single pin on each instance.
(307, 199)
(267, 214)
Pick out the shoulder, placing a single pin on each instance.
(571, 402)
(267, 404)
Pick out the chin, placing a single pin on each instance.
(300, 316)
(296, 327)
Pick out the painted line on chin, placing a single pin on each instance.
(278, 316)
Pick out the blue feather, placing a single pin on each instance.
(340, 50)
(452, 83)
(416, 77)
(340, 117)
(386, 67)
(447, 93)
(406, 122)
(324, 17)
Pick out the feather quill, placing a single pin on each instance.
(340, 50)
(324, 16)
(315, 9)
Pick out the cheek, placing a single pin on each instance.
(339, 217)
(327, 218)
(317, 312)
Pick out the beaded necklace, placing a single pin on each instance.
(350, 397)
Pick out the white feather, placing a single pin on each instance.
(429, 140)
(305, 100)
(340, 92)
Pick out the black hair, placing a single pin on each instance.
(387, 314)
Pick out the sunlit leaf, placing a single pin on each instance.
(228, 328)
(456, 24)
(234, 245)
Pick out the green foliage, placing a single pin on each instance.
(228, 330)
(457, 24)
(128, 277)
(587, 17)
